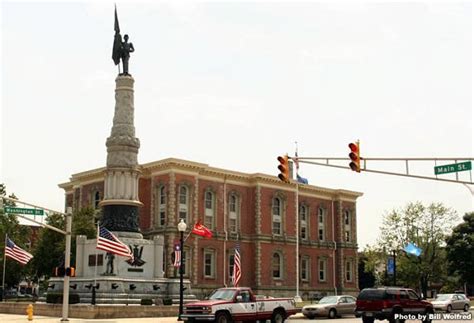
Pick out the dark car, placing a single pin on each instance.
(385, 303)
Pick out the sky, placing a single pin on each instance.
(235, 84)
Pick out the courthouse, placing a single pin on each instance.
(255, 210)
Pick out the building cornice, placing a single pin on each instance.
(205, 171)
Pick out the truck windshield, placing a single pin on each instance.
(226, 294)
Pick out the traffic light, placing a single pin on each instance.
(354, 155)
(71, 272)
(284, 168)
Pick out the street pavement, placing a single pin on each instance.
(13, 318)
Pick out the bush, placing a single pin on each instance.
(57, 298)
(167, 301)
(146, 301)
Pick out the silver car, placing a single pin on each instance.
(450, 302)
(331, 306)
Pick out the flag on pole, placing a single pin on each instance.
(117, 40)
(295, 160)
(107, 241)
(177, 255)
(236, 275)
(301, 180)
(411, 249)
(15, 252)
(201, 230)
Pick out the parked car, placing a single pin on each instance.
(331, 306)
(450, 302)
(385, 303)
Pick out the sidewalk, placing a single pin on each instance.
(44, 319)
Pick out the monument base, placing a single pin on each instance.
(121, 280)
(116, 290)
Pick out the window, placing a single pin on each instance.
(277, 265)
(347, 226)
(209, 263)
(322, 270)
(96, 199)
(303, 222)
(162, 206)
(349, 271)
(183, 203)
(231, 267)
(276, 216)
(412, 295)
(321, 217)
(209, 209)
(305, 268)
(233, 212)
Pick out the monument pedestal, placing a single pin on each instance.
(119, 280)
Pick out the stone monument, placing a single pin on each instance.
(111, 279)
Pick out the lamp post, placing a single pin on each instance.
(181, 228)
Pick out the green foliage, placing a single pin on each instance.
(460, 250)
(57, 298)
(146, 301)
(49, 249)
(19, 234)
(426, 227)
(366, 277)
(167, 301)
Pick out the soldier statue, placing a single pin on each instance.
(121, 49)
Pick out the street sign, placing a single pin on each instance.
(20, 210)
(452, 168)
(390, 266)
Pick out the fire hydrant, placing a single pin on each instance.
(29, 312)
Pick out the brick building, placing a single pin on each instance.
(256, 210)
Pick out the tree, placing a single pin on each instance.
(426, 227)
(367, 277)
(14, 271)
(460, 250)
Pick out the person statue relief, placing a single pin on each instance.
(109, 269)
(125, 49)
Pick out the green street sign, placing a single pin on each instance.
(20, 210)
(452, 168)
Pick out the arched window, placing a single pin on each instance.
(277, 266)
(183, 203)
(276, 216)
(233, 213)
(303, 222)
(209, 208)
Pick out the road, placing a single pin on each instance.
(11, 318)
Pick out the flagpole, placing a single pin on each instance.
(4, 263)
(297, 296)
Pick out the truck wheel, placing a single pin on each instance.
(332, 314)
(223, 317)
(278, 316)
(366, 319)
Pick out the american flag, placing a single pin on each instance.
(177, 255)
(110, 243)
(14, 252)
(237, 270)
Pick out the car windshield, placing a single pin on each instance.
(225, 294)
(443, 297)
(328, 300)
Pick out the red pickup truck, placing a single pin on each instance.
(226, 305)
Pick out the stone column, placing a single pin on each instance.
(120, 204)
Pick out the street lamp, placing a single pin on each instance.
(181, 228)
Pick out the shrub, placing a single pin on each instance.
(57, 298)
(167, 301)
(146, 301)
